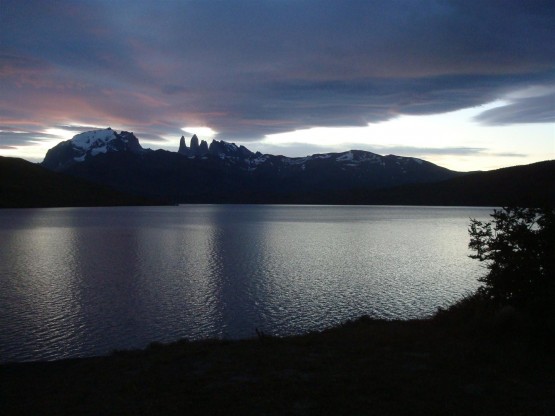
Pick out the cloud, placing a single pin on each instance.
(12, 139)
(445, 151)
(524, 110)
(304, 149)
(409, 150)
(78, 128)
(248, 69)
(11, 65)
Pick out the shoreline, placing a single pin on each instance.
(442, 365)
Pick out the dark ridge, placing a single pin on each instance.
(527, 185)
(27, 185)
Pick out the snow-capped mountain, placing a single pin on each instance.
(225, 172)
(250, 161)
(89, 144)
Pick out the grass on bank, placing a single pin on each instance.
(466, 360)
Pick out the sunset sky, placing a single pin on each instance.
(465, 84)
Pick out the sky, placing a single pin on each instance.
(466, 84)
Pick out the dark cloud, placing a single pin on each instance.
(13, 65)
(78, 128)
(444, 151)
(248, 68)
(524, 110)
(10, 139)
(507, 154)
(302, 149)
(409, 150)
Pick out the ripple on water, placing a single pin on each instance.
(82, 282)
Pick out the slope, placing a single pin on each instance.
(25, 185)
(526, 185)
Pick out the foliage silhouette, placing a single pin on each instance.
(518, 249)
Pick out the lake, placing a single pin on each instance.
(85, 281)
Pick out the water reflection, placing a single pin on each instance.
(40, 300)
(236, 252)
(86, 281)
(175, 277)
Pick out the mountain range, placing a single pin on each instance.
(225, 172)
(222, 172)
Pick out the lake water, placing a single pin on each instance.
(85, 281)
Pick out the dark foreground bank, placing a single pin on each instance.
(443, 366)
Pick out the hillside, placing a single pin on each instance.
(527, 185)
(27, 185)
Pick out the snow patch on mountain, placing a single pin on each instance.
(93, 142)
(295, 160)
(99, 150)
(90, 144)
(93, 139)
(346, 157)
(258, 160)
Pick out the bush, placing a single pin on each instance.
(518, 249)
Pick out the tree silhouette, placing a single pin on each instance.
(518, 248)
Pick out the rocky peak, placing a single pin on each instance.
(182, 145)
(196, 149)
(89, 144)
(221, 148)
(203, 148)
(217, 148)
(130, 142)
(194, 144)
